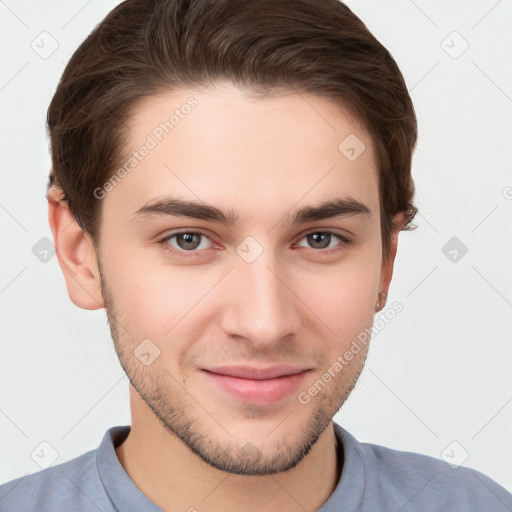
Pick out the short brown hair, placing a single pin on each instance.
(146, 47)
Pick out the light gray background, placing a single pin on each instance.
(438, 378)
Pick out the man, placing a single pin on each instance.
(229, 180)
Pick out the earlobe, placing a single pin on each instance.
(75, 253)
(381, 301)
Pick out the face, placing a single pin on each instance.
(240, 257)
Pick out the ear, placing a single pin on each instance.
(75, 253)
(388, 261)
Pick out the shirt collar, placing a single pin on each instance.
(125, 495)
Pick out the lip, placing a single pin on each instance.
(257, 385)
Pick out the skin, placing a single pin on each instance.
(192, 445)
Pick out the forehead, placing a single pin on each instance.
(253, 154)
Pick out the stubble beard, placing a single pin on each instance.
(172, 406)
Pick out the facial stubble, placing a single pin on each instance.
(171, 403)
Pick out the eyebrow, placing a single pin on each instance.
(172, 206)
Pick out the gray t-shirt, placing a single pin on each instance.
(373, 479)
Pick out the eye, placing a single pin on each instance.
(324, 240)
(194, 243)
(186, 242)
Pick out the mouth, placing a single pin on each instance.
(256, 385)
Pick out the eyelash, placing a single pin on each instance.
(192, 253)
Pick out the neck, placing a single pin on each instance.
(175, 478)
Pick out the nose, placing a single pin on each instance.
(260, 304)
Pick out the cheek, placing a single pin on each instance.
(343, 297)
(151, 298)
(155, 301)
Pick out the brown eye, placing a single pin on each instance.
(323, 240)
(319, 240)
(187, 241)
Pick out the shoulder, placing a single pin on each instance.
(421, 482)
(423, 478)
(72, 485)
